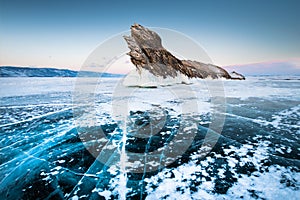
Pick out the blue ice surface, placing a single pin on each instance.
(47, 153)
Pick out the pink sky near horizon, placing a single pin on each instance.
(295, 61)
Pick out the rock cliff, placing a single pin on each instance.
(147, 52)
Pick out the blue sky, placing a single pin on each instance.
(62, 33)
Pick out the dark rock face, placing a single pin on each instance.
(235, 75)
(146, 51)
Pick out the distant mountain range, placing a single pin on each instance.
(267, 68)
(9, 71)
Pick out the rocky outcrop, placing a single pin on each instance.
(147, 52)
(237, 76)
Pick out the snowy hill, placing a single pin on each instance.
(8, 71)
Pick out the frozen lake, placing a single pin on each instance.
(240, 142)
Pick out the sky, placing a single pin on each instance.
(62, 34)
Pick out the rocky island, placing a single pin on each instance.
(147, 52)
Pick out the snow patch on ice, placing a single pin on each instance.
(147, 79)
